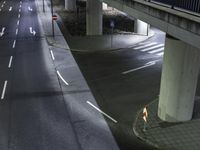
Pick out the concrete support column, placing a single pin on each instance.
(179, 80)
(94, 17)
(141, 27)
(70, 5)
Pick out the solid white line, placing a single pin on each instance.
(18, 22)
(10, 62)
(153, 47)
(160, 54)
(62, 78)
(52, 55)
(16, 31)
(147, 45)
(4, 89)
(145, 66)
(157, 50)
(14, 43)
(19, 15)
(109, 117)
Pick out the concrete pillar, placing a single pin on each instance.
(141, 27)
(70, 5)
(94, 17)
(179, 80)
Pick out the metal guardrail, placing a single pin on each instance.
(190, 5)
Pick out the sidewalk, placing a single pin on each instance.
(170, 136)
(89, 126)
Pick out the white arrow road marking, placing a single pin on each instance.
(14, 43)
(10, 62)
(52, 55)
(30, 9)
(4, 90)
(151, 63)
(2, 31)
(10, 9)
(32, 31)
(62, 78)
(99, 110)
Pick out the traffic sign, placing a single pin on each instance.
(54, 17)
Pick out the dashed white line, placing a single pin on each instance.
(16, 31)
(20, 10)
(52, 55)
(62, 78)
(18, 22)
(10, 62)
(145, 66)
(10, 9)
(19, 15)
(14, 43)
(20, 5)
(20, 2)
(4, 90)
(0, 9)
(2, 5)
(99, 110)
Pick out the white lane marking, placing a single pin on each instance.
(10, 62)
(144, 46)
(2, 5)
(151, 63)
(10, 9)
(0, 9)
(62, 78)
(14, 43)
(18, 22)
(4, 2)
(4, 90)
(99, 110)
(30, 9)
(157, 50)
(160, 54)
(32, 31)
(153, 47)
(52, 55)
(20, 2)
(20, 5)
(16, 31)
(20, 10)
(19, 15)
(2, 31)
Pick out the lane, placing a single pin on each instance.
(122, 95)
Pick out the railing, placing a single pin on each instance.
(190, 5)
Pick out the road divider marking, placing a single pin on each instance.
(10, 62)
(16, 31)
(99, 110)
(4, 90)
(18, 22)
(62, 78)
(10, 9)
(151, 63)
(2, 31)
(14, 43)
(52, 55)
(32, 31)
(19, 15)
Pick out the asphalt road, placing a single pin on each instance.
(33, 115)
(123, 81)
